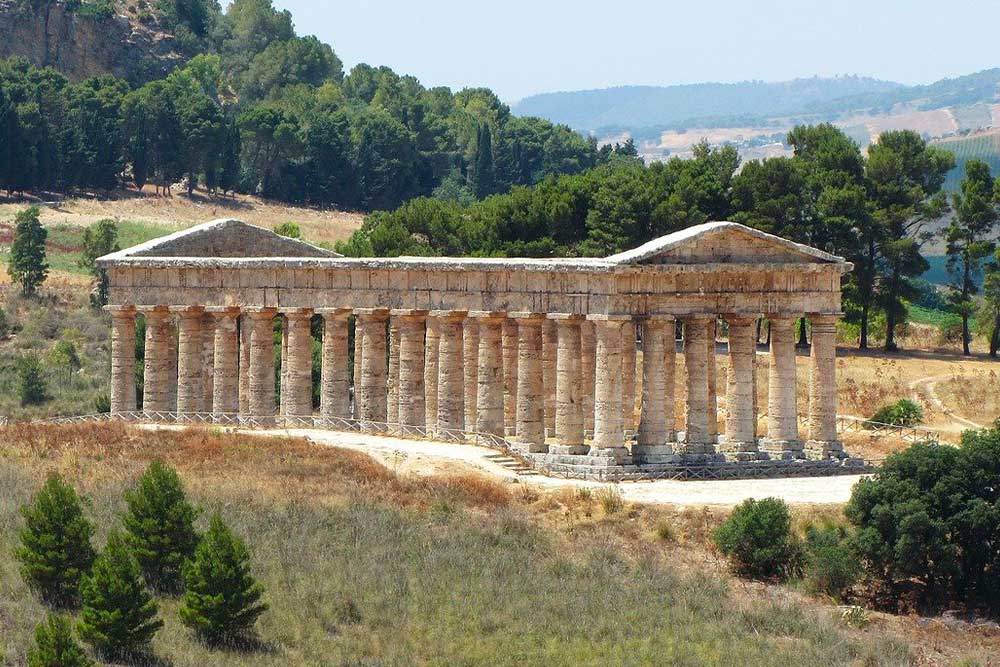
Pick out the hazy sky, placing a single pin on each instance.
(520, 47)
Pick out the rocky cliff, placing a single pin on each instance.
(80, 47)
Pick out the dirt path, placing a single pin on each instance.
(924, 387)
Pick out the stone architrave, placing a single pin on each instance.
(190, 392)
(651, 440)
(628, 376)
(588, 347)
(470, 366)
(698, 439)
(335, 383)
(122, 359)
(489, 399)
(372, 403)
(782, 412)
(225, 365)
(549, 347)
(157, 366)
(432, 342)
(823, 442)
(569, 390)
(609, 433)
(530, 385)
(298, 376)
(510, 376)
(245, 327)
(451, 375)
(740, 440)
(411, 411)
(262, 398)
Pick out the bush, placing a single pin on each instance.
(929, 522)
(55, 645)
(55, 549)
(289, 229)
(830, 567)
(222, 600)
(757, 539)
(159, 526)
(119, 615)
(31, 386)
(102, 404)
(96, 10)
(903, 412)
(4, 325)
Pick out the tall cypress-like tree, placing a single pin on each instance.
(221, 600)
(55, 550)
(159, 526)
(27, 264)
(55, 645)
(119, 615)
(485, 176)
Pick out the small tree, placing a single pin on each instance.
(831, 566)
(27, 264)
(289, 229)
(757, 538)
(31, 387)
(55, 548)
(159, 526)
(65, 356)
(99, 239)
(119, 615)
(55, 645)
(222, 600)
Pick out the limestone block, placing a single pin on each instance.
(490, 380)
(412, 411)
(782, 413)
(372, 399)
(823, 442)
(588, 349)
(262, 398)
(608, 415)
(470, 365)
(225, 361)
(122, 360)
(628, 375)
(549, 347)
(509, 334)
(451, 374)
(298, 377)
(741, 413)
(530, 385)
(334, 380)
(569, 389)
(432, 341)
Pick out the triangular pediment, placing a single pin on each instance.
(723, 243)
(224, 238)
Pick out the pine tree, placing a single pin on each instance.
(55, 645)
(222, 600)
(119, 615)
(55, 549)
(159, 526)
(27, 264)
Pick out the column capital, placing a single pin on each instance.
(660, 318)
(497, 315)
(783, 317)
(568, 318)
(604, 317)
(373, 313)
(157, 310)
(698, 317)
(824, 318)
(409, 313)
(528, 317)
(296, 313)
(188, 311)
(335, 312)
(223, 311)
(449, 315)
(740, 318)
(261, 313)
(122, 311)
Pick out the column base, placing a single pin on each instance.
(531, 447)
(825, 449)
(654, 454)
(617, 454)
(727, 446)
(783, 450)
(569, 449)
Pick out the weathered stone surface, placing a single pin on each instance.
(412, 412)
(190, 394)
(549, 346)
(225, 357)
(371, 399)
(432, 342)
(697, 434)
(628, 376)
(208, 361)
(451, 374)
(122, 360)
(489, 401)
(245, 326)
(741, 416)
(470, 366)
(782, 413)
(652, 419)
(588, 350)
(823, 441)
(530, 404)
(569, 389)
(298, 401)
(608, 418)
(393, 386)
(334, 396)
(262, 399)
(510, 376)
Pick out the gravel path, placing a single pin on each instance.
(928, 385)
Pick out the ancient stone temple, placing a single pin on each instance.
(573, 361)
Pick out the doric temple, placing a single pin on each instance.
(539, 352)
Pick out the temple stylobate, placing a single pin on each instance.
(573, 360)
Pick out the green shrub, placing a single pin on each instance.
(830, 567)
(757, 538)
(903, 412)
(102, 404)
(55, 645)
(159, 526)
(55, 549)
(931, 516)
(4, 325)
(31, 386)
(221, 600)
(289, 229)
(96, 10)
(610, 499)
(119, 615)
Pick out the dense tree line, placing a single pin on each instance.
(259, 109)
(873, 209)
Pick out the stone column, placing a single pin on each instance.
(549, 351)
(371, 399)
(245, 327)
(628, 376)
(335, 383)
(823, 442)
(356, 374)
(190, 392)
(697, 435)
(740, 440)
(208, 361)
(451, 375)
(609, 441)
(782, 413)
(651, 440)
(588, 345)
(171, 325)
(261, 404)
(670, 377)
(470, 365)
(530, 384)
(713, 378)
(283, 371)
(157, 366)
(298, 362)
(392, 405)
(432, 341)
(510, 376)
(490, 379)
(412, 411)
(122, 358)
(225, 363)
(569, 394)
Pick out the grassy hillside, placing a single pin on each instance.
(983, 146)
(364, 567)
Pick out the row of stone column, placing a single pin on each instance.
(545, 379)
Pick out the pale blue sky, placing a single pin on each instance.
(520, 47)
